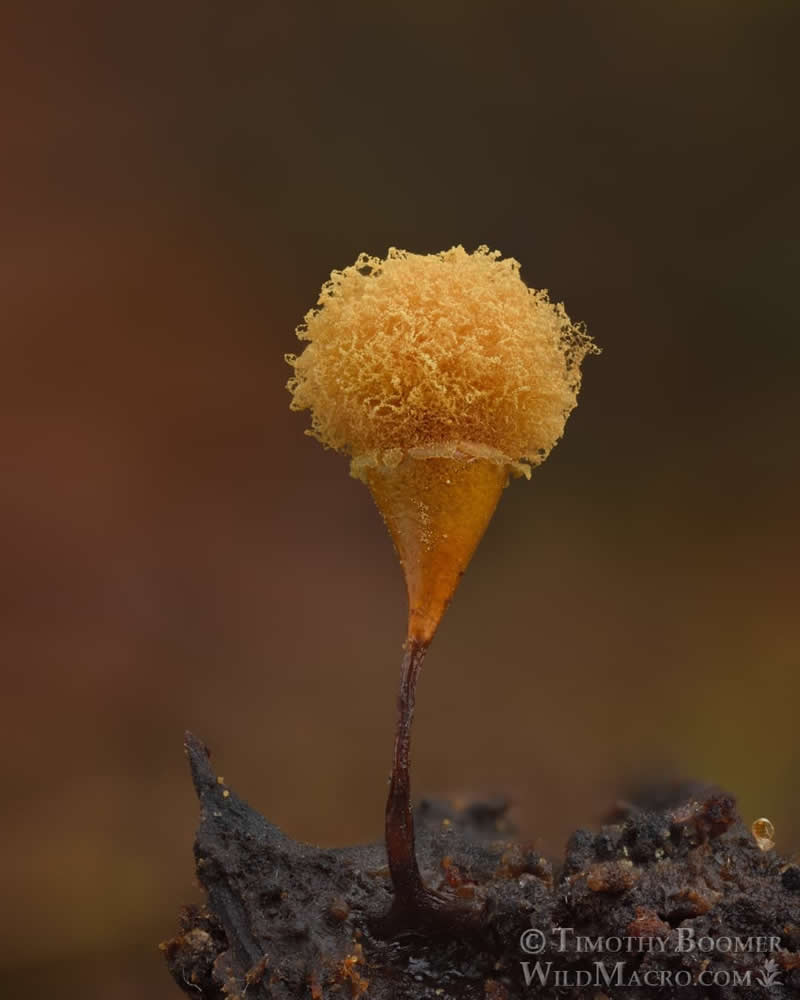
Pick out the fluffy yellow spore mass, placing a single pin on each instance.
(437, 355)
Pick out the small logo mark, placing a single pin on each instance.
(769, 975)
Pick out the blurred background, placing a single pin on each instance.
(179, 181)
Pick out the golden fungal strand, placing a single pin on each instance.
(444, 352)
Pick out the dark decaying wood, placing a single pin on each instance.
(285, 920)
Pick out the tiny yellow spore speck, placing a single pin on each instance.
(764, 833)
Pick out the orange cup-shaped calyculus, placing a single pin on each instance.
(436, 510)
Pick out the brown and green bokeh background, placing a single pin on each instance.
(180, 180)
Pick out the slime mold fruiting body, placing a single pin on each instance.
(441, 376)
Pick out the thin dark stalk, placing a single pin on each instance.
(407, 881)
(415, 906)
